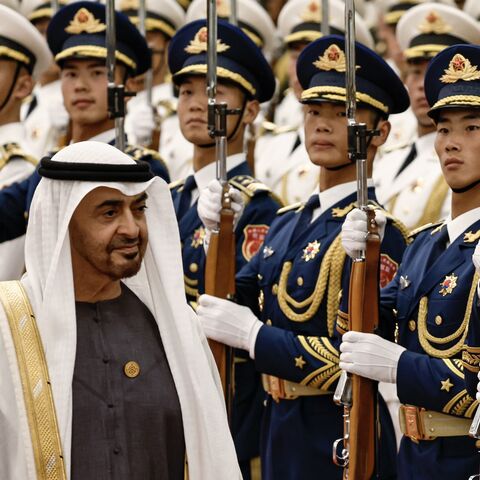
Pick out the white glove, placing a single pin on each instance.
(210, 204)
(354, 230)
(477, 396)
(370, 356)
(228, 323)
(142, 122)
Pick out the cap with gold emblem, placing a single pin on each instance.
(252, 18)
(79, 30)
(321, 71)
(300, 21)
(21, 42)
(427, 29)
(165, 16)
(239, 60)
(453, 79)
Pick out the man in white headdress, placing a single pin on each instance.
(133, 384)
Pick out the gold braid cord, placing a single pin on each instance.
(425, 337)
(330, 274)
(37, 393)
(433, 207)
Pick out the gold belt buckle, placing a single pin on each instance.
(276, 388)
(413, 423)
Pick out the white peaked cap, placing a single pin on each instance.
(252, 18)
(166, 16)
(21, 41)
(298, 18)
(429, 28)
(472, 7)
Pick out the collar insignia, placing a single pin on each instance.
(199, 43)
(333, 58)
(312, 13)
(448, 284)
(198, 236)
(311, 250)
(84, 21)
(404, 282)
(460, 68)
(268, 251)
(471, 237)
(434, 23)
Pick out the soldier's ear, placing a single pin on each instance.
(23, 86)
(384, 128)
(252, 108)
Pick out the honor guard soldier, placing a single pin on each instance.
(244, 81)
(162, 19)
(256, 24)
(431, 298)
(282, 161)
(44, 115)
(24, 55)
(296, 287)
(409, 179)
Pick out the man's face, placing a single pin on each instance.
(457, 145)
(84, 89)
(108, 233)
(158, 44)
(326, 132)
(415, 76)
(7, 72)
(192, 108)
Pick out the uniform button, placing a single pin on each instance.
(268, 322)
(275, 289)
(438, 320)
(106, 360)
(110, 405)
(116, 450)
(299, 281)
(259, 276)
(131, 369)
(412, 325)
(193, 267)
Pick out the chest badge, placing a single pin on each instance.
(311, 250)
(197, 237)
(268, 251)
(448, 284)
(404, 282)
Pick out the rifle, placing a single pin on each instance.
(116, 93)
(358, 395)
(220, 262)
(325, 25)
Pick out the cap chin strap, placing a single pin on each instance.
(230, 111)
(467, 188)
(12, 85)
(371, 133)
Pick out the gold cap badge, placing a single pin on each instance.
(332, 59)
(312, 13)
(460, 68)
(131, 369)
(199, 43)
(434, 23)
(84, 21)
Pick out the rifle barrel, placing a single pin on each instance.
(325, 25)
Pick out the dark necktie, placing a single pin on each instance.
(306, 216)
(412, 154)
(186, 196)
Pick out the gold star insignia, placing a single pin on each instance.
(446, 385)
(300, 362)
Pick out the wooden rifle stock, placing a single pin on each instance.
(220, 282)
(363, 313)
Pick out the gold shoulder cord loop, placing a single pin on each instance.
(330, 274)
(37, 392)
(425, 337)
